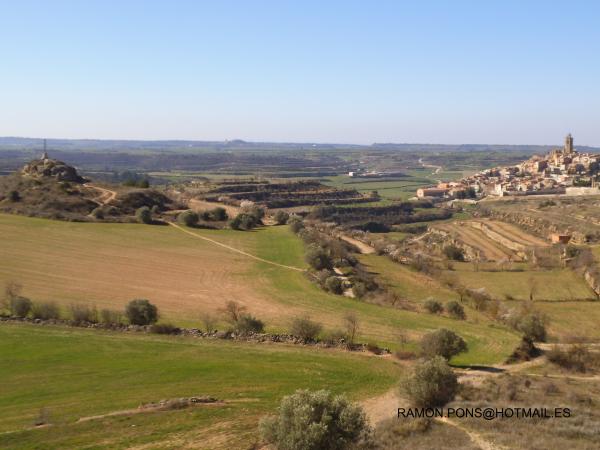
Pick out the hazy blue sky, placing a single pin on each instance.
(326, 71)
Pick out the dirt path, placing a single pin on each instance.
(362, 247)
(106, 195)
(438, 169)
(233, 249)
(385, 406)
(477, 438)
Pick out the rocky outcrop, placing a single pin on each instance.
(46, 167)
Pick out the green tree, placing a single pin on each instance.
(432, 383)
(281, 217)
(144, 215)
(316, 421)
(188, 218)
(141, 312)
(442, 342)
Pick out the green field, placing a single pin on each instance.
(546, 285)
(110, 264)
(388, 188)
(74, 373)
(408, 283)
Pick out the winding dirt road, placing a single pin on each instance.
(106, 195)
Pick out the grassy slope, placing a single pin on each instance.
(110, 264)
(487, 341)
(552, 285)
(408, 283)
(80, 373)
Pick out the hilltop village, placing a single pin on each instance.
(562, 171)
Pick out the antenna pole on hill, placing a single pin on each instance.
(45, 155)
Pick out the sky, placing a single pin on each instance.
(496, 72)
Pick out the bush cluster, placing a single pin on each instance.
(305, 328)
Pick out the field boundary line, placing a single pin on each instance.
(233, 249)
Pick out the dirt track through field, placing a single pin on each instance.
(106, 195)
(233, 249)
(385, 406)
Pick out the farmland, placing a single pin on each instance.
(89, 373)
(109, 264)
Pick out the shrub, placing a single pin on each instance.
(249, 324)
(533, 327)
(97, 213)
(281, 217)
(243, 221)
(209, 321)
(188, 218)
(318, 258)
(111, 317)
(45, 310)
(233, 311)
(164, 328)
(455, 310)
(334, 337)
(305, 328)
(83, 313)
(12, 289)
(433, 306)
(577, 358)
(454, 253)
(443, 342)
(141, 312)
(352, 326)
(432, 383)
(14, 196)
(359, 289)
(334, 284)
(316, 421)
(143, 215)
(218, 214)
(19, 306)
(296, 224)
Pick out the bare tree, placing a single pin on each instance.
(209, 321)
(233, 311)
(12, 290)
(352, 325)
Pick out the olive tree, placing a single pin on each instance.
(316, 421)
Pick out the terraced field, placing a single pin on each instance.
(495, 240)
(489, 249)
